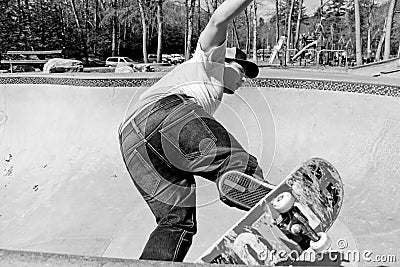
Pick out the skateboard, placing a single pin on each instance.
(283, 222)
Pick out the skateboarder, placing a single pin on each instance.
(170, 135)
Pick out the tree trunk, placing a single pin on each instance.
(247, 31)
(198, 18)
(96, 26)
(388, 31)
(358, 32)
(96, 16)
(160, 30)
(114, 42)
(144, 29)
(215, 5)
(63, 31)
(87, 36)
(369, 41)
(236, 34)
(113, 38)
(254, 30)
(289, 31)
(380, 44)
(27, 23)
(277, 21)
(208, 10)
(398, 51)
(370, 8)
(78, 24)
(299, 16)
(189, 29)
(80, 30)
(186, 28)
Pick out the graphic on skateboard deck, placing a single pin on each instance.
(290, 219)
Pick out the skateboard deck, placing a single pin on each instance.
(290, 219)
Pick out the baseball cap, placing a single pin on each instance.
(235, 54)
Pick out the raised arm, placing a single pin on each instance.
(214, 33)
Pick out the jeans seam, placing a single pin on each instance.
(162, 122)
(158, 108)
(178, 246)
(124, 136)
(149, 168)
(195, 154)
(134, 147)
(160, 156)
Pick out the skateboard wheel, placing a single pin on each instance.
(322, 244)
(296, 229)
(283, 202)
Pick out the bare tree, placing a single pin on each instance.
(388, 31)
(160, 29)
(358, 32)
(189, 26)
(236, 35)
(299, 18)
(215, 5)
(80, 30)
(369, 24)
(198, 17)
(114, 21)
(144, 29)
(255, 30)
(208, 10)
(289, 30)
(277, 21)
(380, 44)
(73, 6)
(246, 13)
(398, 51)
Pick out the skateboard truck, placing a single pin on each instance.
(284, 204)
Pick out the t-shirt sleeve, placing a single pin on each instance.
(215, 54)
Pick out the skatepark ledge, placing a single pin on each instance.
(32, 259)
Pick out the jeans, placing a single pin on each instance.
(163, 147)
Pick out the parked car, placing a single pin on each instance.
(152, 58)
(114, 61)
(145, 67)
(177, 58)
(95, 62)
(23, 68)
(58, 65)
(166, 59)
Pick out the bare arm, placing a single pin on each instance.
(215, 32)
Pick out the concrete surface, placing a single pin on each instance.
(38, 259)
(18, 258)
(64, 188)
(376, 68)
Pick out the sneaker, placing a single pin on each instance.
(241, 190)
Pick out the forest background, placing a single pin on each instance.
(135, 28)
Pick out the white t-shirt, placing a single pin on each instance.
(201, 77)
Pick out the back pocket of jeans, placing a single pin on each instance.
(145, 177)
(190, 135)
